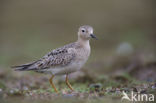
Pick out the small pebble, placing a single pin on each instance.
(1, 90)
(30, 93)
(117, 91)
(25, 88)
(11, 91)
(153, 87)
(95, 87)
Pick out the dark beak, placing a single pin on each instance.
(93, 36)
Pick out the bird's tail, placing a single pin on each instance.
(24, 67)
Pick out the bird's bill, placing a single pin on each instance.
(93, 36)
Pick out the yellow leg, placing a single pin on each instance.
(68, 84)
(51, 82)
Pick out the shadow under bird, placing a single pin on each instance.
(64, 60)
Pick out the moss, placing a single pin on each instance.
(2, 85)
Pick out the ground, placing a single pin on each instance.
(33, 87)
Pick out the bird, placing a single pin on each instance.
(64, 60)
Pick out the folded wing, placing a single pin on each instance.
(56, 58)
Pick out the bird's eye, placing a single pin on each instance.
(83, 30)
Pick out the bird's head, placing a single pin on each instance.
(86, 32)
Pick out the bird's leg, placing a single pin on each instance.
(68, 84)
(52, 84)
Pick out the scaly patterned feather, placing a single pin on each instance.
(58, 57)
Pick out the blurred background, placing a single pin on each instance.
(126, 32)
(30, 29)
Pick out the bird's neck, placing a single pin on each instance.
(83, 43)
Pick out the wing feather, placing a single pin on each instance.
(56, 58)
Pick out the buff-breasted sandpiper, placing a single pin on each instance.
(64, 60)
